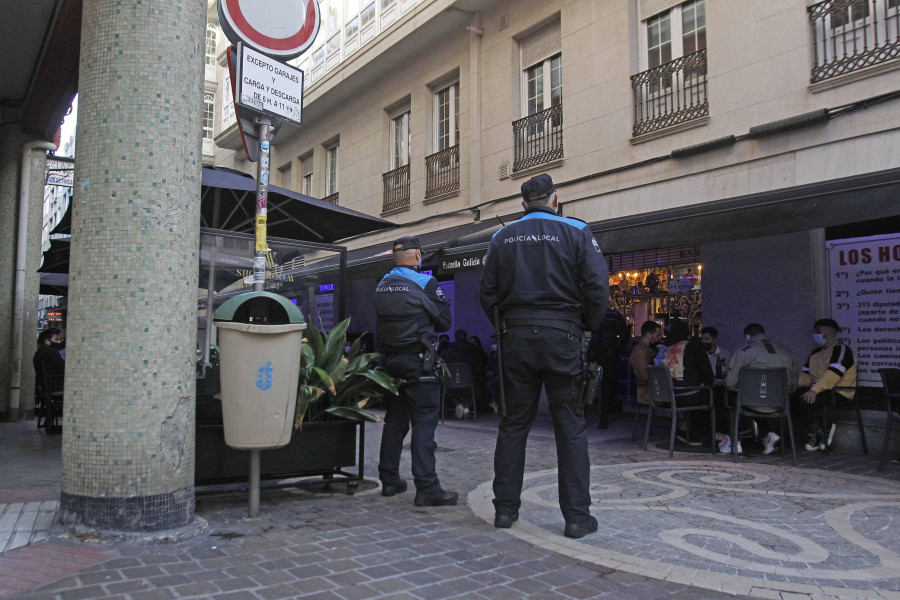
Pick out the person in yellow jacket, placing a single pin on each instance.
(831, 365)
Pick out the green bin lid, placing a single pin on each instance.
(230, 306)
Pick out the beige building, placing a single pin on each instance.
(726, 137)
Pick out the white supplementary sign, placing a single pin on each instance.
(865, 300)
(60, 173)
(267, 85)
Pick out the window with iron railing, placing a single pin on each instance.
(672, 93)
(849, 35)
(538, 138)
(442, 172)
(332, 198)
(396, 189)
(672, 88)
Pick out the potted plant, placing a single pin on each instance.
(335, 386)
(337, 382)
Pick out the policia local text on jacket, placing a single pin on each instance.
(548, 277)
(411, 310)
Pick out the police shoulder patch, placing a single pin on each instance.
(596, 245)
(440, 292)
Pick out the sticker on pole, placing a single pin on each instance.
(267, 85)
(280, 28)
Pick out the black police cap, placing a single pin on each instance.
(409, 242)
(537, 188)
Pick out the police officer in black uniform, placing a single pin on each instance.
(548, 277)
(411, 310)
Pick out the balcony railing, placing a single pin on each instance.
(672, 93)
(333, 198)
(442, 169)
(538, 138)
(396, 188)
(849, 35)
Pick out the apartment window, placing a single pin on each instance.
(538, 135)
(331, 169)
(209, 105)
(401, 140)
(211, 33)
(672, 87)
(446, 117)
(306, 181)
(849, 35)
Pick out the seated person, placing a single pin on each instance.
(460, 351)
(762, 353)
(830, 365)
(719, 357)
(689, 365)
(479, 374)
(642, 357)
(47, 360)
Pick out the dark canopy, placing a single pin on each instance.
(228, 202)
(290, 215)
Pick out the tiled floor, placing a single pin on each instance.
(23, 523)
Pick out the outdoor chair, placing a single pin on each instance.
(890, 384)
(664, 400)
(632, 380)
(458, 382)
(763, 394)
(836, 401)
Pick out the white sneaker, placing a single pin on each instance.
(769, 442)
(725, 445)
(829, 437)
(460, 412)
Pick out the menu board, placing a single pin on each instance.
(865, 300)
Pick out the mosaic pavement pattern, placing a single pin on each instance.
(770, 532)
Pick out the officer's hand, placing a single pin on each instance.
(809, 396)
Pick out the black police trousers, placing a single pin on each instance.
(418, 404)
(534, 357)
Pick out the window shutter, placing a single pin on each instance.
(650, 8)
(307, 166)
(541, 44)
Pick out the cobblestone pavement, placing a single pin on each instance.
(694, 527)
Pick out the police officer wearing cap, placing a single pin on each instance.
(548, 278)
(411, 310)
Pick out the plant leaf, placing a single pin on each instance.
(382, 379)
(355, 414)
(326, 379)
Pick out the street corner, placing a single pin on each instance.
(755, 530)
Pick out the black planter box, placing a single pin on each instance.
(323, 448)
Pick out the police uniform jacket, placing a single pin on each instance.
(409, 304)
(546, 267)
(762, 353)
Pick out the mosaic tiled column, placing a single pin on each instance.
(128, 426)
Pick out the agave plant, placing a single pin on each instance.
(336, 382)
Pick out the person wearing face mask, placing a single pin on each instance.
(47, 357)
(762, 353)
(719, 357)
(831, 364)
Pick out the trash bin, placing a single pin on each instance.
(260, 336)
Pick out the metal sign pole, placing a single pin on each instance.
(263, 126)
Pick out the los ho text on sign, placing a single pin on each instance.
(267, 85)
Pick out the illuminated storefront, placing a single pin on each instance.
(658, 285)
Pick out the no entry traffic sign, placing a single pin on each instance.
(283, 29)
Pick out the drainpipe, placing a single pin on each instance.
(21, 241)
